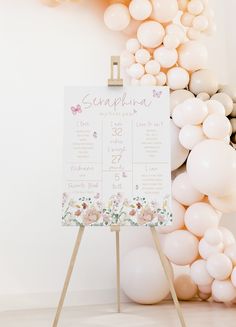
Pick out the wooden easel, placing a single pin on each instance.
(117, 81)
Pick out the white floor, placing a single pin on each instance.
(197, 314)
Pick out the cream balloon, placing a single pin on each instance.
(161, 79)
(171, 41)
(179, 96)
(199, 273)
(152, 67)
(148, 79)
(203, 96)
(127, 58)
(177, 31)
(206, 289)
(184, 192)
(190, 112)
(187, 19)
(178, 212)
(203, 80)
(177, 78)
(150, 34)
(178, 152)
(136, 70)
(233, 277)
(228, 237)
(190, 136)
(199, 217)
(116, 17)
(200, 23)
(216, 126)
(193, 34)
(206, 250)
(226, 101)
(215, 107)
(224, 290)
(219, 266)
(132, 45)
(140, 9)
(230, 252)
(185, 287)
(181, 247)
(211, 167)
(230, 90)
(213, 236)
(142, 56)
(166, 57)
(164, 11)
(192, 56)
(195, 7)
(226, 204)
(143, 279)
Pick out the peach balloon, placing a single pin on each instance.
(192, 56)
(203, 96)
(136, 70)
(148, 79)
(179, 96)
(226, 204)
(127, 58)
(230, 251)
(140, 9)
(213, 236)
(199, 273)
(195, 7)
(206, 250)
(185, 287)
(178, 212)
(166, 57)
(226, 101)
(215, 107)
(233, 277)
(206, 289)
(224, 290)
(142, 56)
(184, 192)
(152, 67)
(219, 266)
(132, 45)
(161, 79)
(228, 237)
(190, 136)
(177, 78)
(187, 19)
(181, 247)
(164, 10)
(116, 17)
(204, 296)
(211, 167)
(230, 90)
(178, 152)
(216, 126)
(199, 217)
(203, 80)
(150, 34)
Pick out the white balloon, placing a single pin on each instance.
(190, 112)
(164, 10)
(200, 23)
(233, 277)
(195, 7)
(230, 90)
(136, 70)
(211, 167)
(177, 31)
(179, 96)
(228, 237)
(224, 290)
(178, 152)
(226, 204)
(193, 34)
(184, 192)
(117, 17)
(230, 251)
(166, 57)
(213, 236)
(203, 80)
(150, 34)
(161, 79)
(178, 212)
(203, 96)
(140, 9)
(219, 266)
(148, 79)
(199, 217)
(187, 19)
(206, 250)
(192, 56)
(215, 107)
(226, 101)
(216, 126)
(199, 273)
(181, 247)
(142, 56)
(152, 67)
(132, 45)
(143, 278)
(177, 78)
(190, 136)
(171, 41)
(127, 58)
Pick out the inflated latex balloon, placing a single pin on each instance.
(152, 67)
(161, 79)
(187, 19)
(200, 23)
(225, 100)
(233, 277)
(143, 279)
(195, 7)
(185, 287)
(177, 31)
(230, 251)
(199, 273)
(228, 237)
(219, 266)
(190, 136)
(148, 79)
(178, 212)
(136, 70)
(164, 11)
(183, 4)
(226, 204)
(193, 56)
(142, 56)
(190, 112)
(127, 58)
(116, 17)
(193, 34)
(181, 247)
(230, 90)
(216, 126)
(199, 217)
(171, 41)
(166, 57)
(206, 250)
(206, 289)
(51, 3)
(140, 9)
(179, 96)
(213, 236)
(203, 80)
(215, 107)
(184, 192)
(211, 167)
(178, 152)
(204, 296)
(150, 34)
(132, 45)
(223, 291)
(177, 78)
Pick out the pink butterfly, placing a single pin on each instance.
(156, 94)
(76, 110)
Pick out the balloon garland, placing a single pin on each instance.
(163, 48)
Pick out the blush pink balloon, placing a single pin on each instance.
(178, 212)
(224, 204)
(193, 56)
(150, 34)
(223, 291)
(178, 152)
(185, 288)
(199, 273)
(190, 136)
(230, 251)
(228, 237)
(233, 277)
(206, 249)
(213, 236)
(219, 266)
(179, 96)
(164, 10)
(116, 17)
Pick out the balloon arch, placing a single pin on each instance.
(163, 48)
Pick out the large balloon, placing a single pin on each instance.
(150, 34)
(211, 167)
(185, 287)
(219, 266)
(191, 135)
(178, 152)
(203, 80)
(192, 56)
(199, 273)
(206, 249)
(224, 204)
(117, 17)
(223, 290)
(143, 278)
(164, 11)
(179, 96)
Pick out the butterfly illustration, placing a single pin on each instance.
(97, 196)
(136, 187)
(124, 174)
(76, 110)
(156, 94)
(95, 134)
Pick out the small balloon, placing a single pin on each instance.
(199, 273)
(150, 34)
(219, 266)
(185, 288)
(223, 290)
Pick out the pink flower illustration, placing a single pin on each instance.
(77, 213)
(91, 216)
(132, 212)
(145, 216)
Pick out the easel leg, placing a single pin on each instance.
(116, 228)
(168, 275)
(68, 276)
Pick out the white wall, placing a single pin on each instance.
(42, 50)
